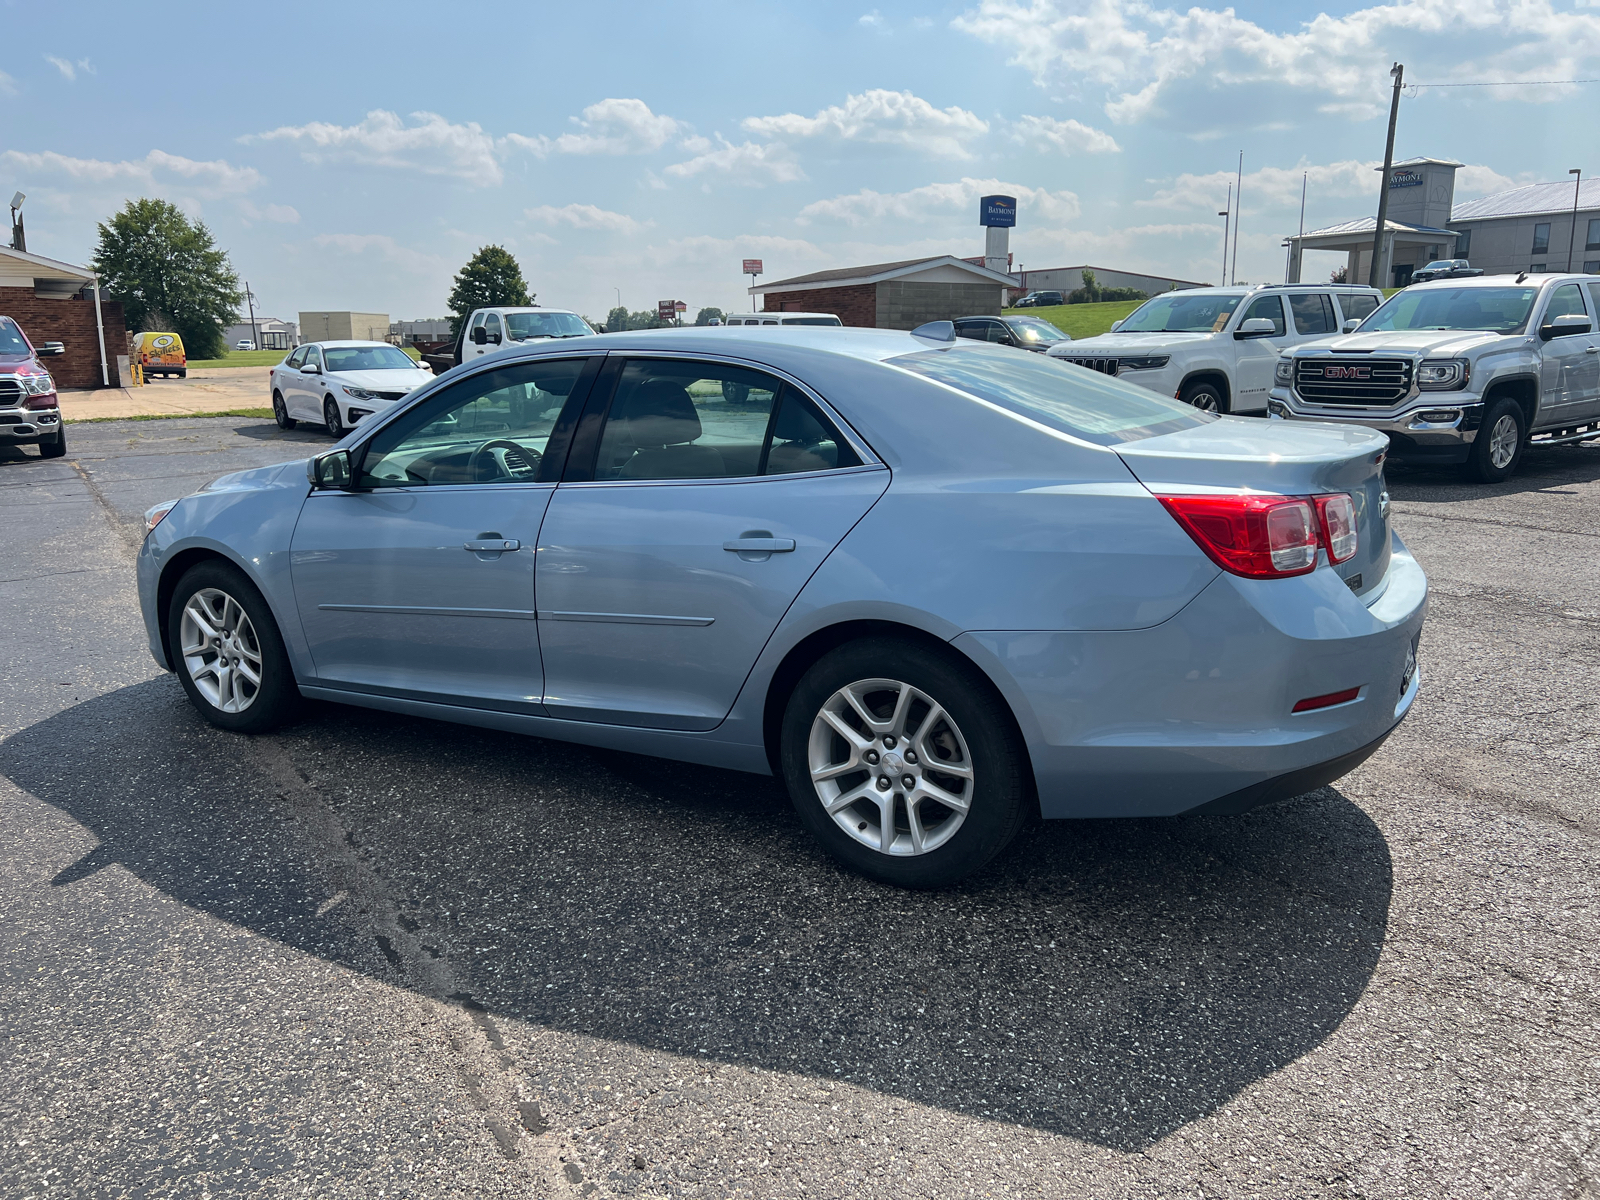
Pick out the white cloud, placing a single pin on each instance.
(381, 246)
(610, 127)
(858, 208)
(874, 21)
(1069, 136)
(750, 163)
(281, 214)
(68, 71)
(881, 117)
(1279, 187)
(8, 85)
(216, 177)
(432, 145)
(584, 216)
(1142, 53)
(1473, 180)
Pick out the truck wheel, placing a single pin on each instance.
(1205, 396)
(904, 762)
(280, 411)
(54, 447)
(1497, 450)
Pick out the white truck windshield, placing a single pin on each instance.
(1490, 309)
(1179, 312)
(522, 326)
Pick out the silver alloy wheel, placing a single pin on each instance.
(280, 411)
(890, 767)
(1503, 442)
(220, 650)
(330, 418)
(1206, 402)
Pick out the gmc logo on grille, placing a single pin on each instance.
(1347, 372)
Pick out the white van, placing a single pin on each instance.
(782, 318)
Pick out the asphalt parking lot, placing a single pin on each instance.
(376, 956)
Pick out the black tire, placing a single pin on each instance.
(980, 733)
(183, 374)
(330, 419)
(1205, 395)
(734, 392)
(55, 447)
(277, 696)
(1487, 461)
(280, 411)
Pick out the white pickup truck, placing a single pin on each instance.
(1217, 347)
(1463, 371)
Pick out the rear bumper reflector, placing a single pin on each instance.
(1314, 702)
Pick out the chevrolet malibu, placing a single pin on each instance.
(933, 584)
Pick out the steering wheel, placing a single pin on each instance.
(514, 461)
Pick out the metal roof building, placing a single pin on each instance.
(1537, 227)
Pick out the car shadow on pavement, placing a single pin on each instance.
(1543, 468)
(268, 431)
(1109, 980)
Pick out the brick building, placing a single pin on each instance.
(896, 295)
(58, 302)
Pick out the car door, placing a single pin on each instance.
(420, 583)
(470, 349)
(699, 498)
(1570, 371)
(1256, 358)
(286, 379)
(975, 329)
(307, 403)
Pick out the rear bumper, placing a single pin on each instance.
(23, 426)
(1197, 711)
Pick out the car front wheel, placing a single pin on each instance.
(54, 447)
(1497, 449)
(330, 418)
(904, 762)
(280, 411)
(227, 650)
(1205, 396)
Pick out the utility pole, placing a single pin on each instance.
(1573, 241)
(255, 334)
(1225, 214)
(1399, 73)
(19, 239)
(1238, 215)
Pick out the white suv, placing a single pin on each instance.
(1216, 348)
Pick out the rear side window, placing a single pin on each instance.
(1313, 313)
(1358, 306)
(1059, 395)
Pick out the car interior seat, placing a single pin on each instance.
(658, 420)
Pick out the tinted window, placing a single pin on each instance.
(1178, 312)
(1492, 309)
(298, 357)
(490, 428)
(1593, 242)
(1567, 302)
(1269, 308)
(1594, 294)
(803, 440)
(1312, 314)
(971, 329)
(491, 327)
(1057, 394)
(831, 321)
(671, 419)
(367, 358)
(1541, 238)
(1357, 306)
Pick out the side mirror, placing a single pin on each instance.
(50, 350)
(1565, 326)
(1116, 325)
(311, 369)
(1350, 324)
(480, 336)
(1255, 327)
(329, 470)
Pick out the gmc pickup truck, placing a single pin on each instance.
(1462, 371)
(30, 414)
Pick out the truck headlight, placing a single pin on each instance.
(1284, 371)
(1443, 375)
(1149, 362)
(37, 385)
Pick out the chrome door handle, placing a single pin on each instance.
(496, 545)
(760, 545)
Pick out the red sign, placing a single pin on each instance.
(666, 310)
(679, 306)
(752, 266)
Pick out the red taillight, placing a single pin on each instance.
(1328, 701)
(1267, 537)
(1260, 537)
(1339, 535)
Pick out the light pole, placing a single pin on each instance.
(1224, 215)
(1573, 241)
(19, 239)
(1238, 203)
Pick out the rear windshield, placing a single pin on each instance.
(366, 358)
(1177, 312)
(1068, 398)
(1491, 309)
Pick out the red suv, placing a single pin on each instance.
(29, 410)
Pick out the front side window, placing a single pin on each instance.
(297, 358)
(368, 358)
(672, 419)
(1541, 238)
(1491, 309)
(1567, 302)
(490, 428)
(313, 356)
(1357, 306)
(1177, 312)
(1269, 308)
(491, 328)
(1312, 313)
(1068, 398)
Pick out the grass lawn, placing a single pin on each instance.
(260, 358)
(1080, 320)
(230, 412)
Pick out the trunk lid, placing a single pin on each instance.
(1282, 459)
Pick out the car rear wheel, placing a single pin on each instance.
(1497, 449)
(228, 651)
(54, 447)
(330, 418)
(280, 411)
(1205, 396)
(904, 762)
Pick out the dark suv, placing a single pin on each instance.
(1041, 300)
(30, 414)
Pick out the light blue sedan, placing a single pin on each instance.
(934, 584)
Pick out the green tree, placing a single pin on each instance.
(706, 315)
(490, 279)
(153, 260)
(616, 320)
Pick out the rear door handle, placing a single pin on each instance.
(1593, 350)
(760, 545)
(494, 545)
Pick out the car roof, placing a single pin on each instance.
(1529, 279)
(868, 345)
(337, 344)
(522, 308)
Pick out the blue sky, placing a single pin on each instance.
(355, 155)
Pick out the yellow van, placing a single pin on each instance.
(160, 354)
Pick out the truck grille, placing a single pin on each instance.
(1106, 366)
(11, 392)
(1364, 382)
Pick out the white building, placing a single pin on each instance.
(1537, 227)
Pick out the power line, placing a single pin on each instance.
(1417, 87)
